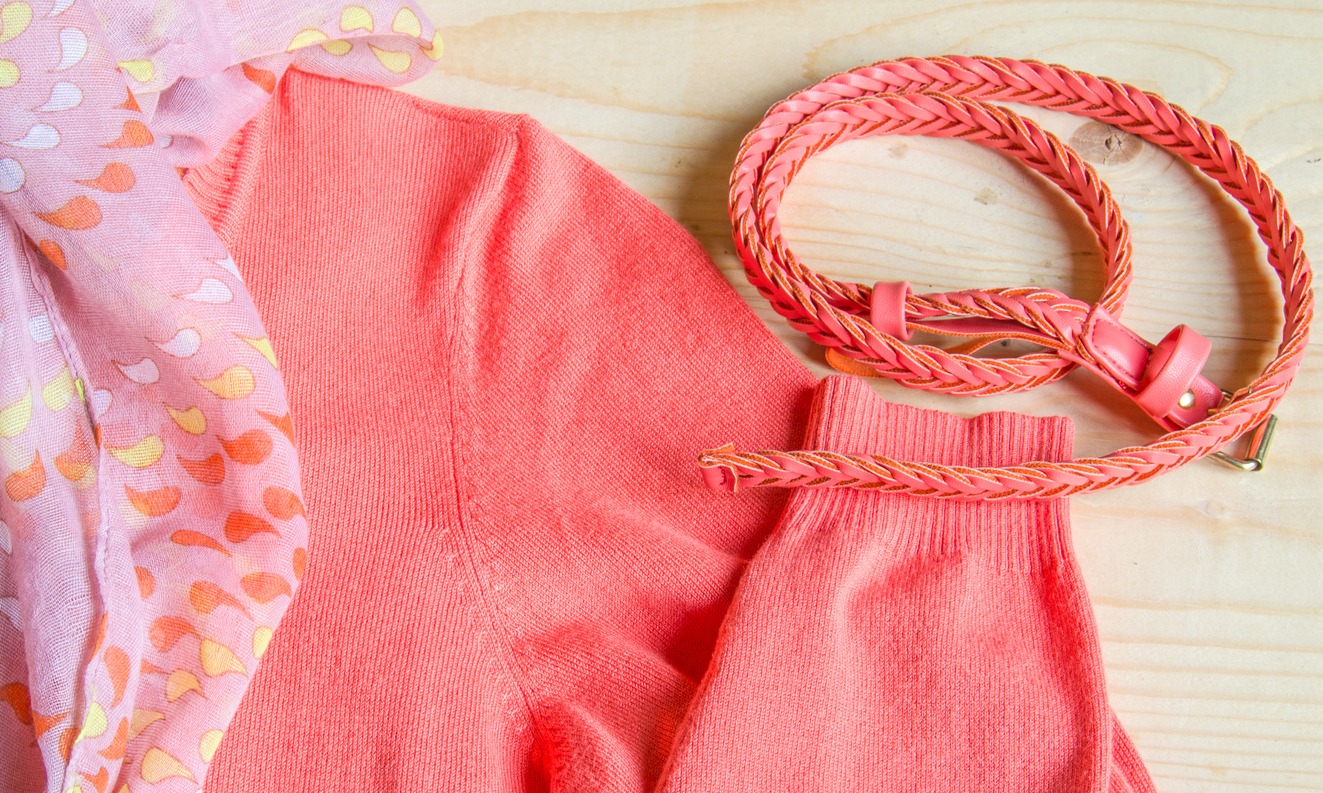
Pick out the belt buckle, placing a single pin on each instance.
(1259, 440)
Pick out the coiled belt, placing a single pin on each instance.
(866, 328)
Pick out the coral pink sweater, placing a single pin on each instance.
(502, 363)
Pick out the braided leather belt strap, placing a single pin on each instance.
(866, 329)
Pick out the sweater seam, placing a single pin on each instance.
(465, 519)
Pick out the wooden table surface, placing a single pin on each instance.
(1208, 583)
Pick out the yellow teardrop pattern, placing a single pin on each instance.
(236, 382)
(159, 765)
(15, 416)
(407, 23)
(217, 659)
(208, 744)
(356, 18)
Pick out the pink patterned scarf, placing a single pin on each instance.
(151, 527)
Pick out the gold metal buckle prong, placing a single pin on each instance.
(1259, 441)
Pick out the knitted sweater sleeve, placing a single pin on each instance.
(600, 350)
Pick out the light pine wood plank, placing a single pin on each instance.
(1206, 582)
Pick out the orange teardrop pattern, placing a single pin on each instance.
(265, 587)
(242, 526)
(133, 134)
(116, 177)
(117, 664)
(282, 423)
(261, 78)
(283, 504)
(206, 597)
(28, 483)
(74, 463)
(146, 582)
(79, 213)
(250, 448)
(99, 634)
(154, 503)
(115, 749)
(15, 695)
(99, 780)
(67, 741)
(209, 471)
(51, 250)
(197, 539)
(167, 631)
(43, 724)
(299, 562)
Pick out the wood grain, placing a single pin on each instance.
(1208, 583)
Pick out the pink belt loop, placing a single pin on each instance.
(887, 308)
(1172, 368)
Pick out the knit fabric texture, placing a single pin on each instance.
(905, 644)
(502, 363)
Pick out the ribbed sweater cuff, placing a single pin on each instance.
(220, 187)
(849, 417)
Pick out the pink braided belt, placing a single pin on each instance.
(867, 328)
